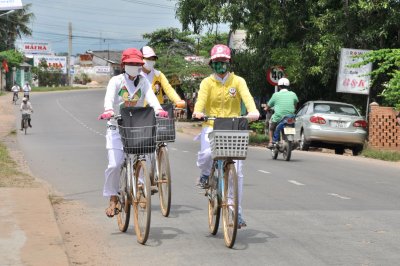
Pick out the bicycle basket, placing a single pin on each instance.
(229, 143)
(165, 130)
(138, 130)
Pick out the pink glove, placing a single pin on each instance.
(106, 115)
(162, 113)
(253, 116)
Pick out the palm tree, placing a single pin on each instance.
(15, 25)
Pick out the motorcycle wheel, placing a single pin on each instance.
(287, 150)
(274, 153)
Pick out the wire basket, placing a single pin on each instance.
(138, 140)
(165, 129)
(229, 144)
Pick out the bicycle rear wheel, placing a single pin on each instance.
(142, 202)
(164, 181)
(25, 125)
(123, 205)
(230, 204)
(214, 209)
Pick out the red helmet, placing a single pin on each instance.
(220, 51)
(132, 55)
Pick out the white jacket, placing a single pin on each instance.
(26, 108)
(121, 91)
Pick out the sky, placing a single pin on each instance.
(98, 24)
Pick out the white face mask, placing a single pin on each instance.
(132, 71)
(149, 64)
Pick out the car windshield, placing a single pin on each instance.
(337, 109)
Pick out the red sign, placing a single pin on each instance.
(274, 74)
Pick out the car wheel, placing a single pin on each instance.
(303, 145)
(357, 150)
(339, 150)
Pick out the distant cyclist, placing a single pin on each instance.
(284, 103)
(220, 95)
(15, 89)
(26, 88)
(157, 79)
(26, 109)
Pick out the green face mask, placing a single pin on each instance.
(220, 67)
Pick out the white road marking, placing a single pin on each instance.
(185, 151)
(338, 196)
(262, 171)
(174, 149)
(295, 182)
(77, 120)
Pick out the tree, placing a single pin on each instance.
(303, 36)
(15, 25)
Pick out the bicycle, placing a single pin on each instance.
(160, 171)
(15, 98)
(25, 121)
(134, 185)
(222, 188)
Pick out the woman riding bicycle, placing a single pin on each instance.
(220, 95)
(128, 89)
(157, 79)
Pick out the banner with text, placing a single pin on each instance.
(55, 62)
(10, 4)
(35, 48)
(353, 79)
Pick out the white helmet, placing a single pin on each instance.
(148, 52)
(283, 82)
(24, 99)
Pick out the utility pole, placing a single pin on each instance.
(69, 54)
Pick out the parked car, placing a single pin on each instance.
(332, 125)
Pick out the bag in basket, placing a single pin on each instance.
(138, 130)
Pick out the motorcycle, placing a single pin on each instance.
(284, 136)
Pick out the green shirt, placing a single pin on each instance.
(284, 103)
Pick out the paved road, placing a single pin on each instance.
(317, 209)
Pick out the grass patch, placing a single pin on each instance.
(13, 132)
(393, 156)
(2, 93)
(54, 199)
(258, 138)
(60, 88)
(8, 167)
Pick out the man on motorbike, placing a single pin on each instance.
(284, 103)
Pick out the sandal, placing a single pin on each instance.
(112, 209)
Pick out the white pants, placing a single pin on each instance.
(116, 158)
(204, 162)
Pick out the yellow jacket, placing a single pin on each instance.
(163, 87)
(223, 100)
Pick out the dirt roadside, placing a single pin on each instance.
(45, 229)
(38, 227)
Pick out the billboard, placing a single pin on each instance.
(35, 48)
(10, 4)
(56, 62)
(353, 79)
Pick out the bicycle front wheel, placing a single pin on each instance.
(230, 204)
(214, 209)
(25, 125)
(142, 202)
(123, 205)
(164, 181)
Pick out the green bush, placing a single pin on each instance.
(258, 138)
(257, 126)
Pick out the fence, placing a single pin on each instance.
(384, 133)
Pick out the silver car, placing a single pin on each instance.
(332, 125)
